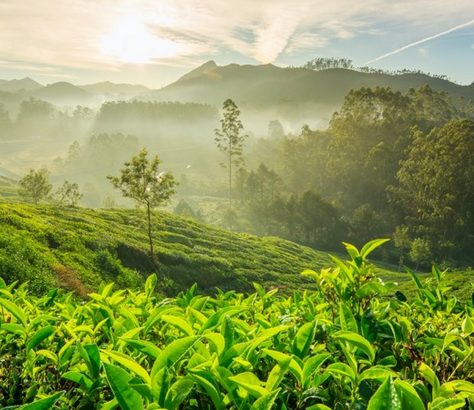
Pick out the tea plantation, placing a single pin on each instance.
(79, 248)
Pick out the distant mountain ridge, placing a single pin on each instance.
(107, 87)
(267, 85)
(62, 92)
(24, 85)
(66, 93)
(258, 87)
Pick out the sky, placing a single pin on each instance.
(154, 42)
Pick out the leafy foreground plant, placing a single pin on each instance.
(350, 344)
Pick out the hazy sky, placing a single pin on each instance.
(154, 42)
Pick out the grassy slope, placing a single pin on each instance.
(78, 248)
(82, 247)
(8, 189)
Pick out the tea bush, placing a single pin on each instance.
(353, 343)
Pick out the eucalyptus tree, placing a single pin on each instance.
(230, 139)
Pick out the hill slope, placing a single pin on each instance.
(79, 248)
(267, 85)
(63, 93)
(23, 85)
(108, 87)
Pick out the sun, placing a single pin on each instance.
(131, 41)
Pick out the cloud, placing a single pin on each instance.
(424, 40)
(306, 41)
(71, 34)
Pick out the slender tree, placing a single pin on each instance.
(141, 180)
(230, 140)
(35, 185)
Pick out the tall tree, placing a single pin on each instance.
(435, 188)
(141, 181)
(230, 140)
(369, 134)
(35, 185)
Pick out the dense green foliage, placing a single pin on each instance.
(79, 248)
(390, 164)
(349, 344)
(438, 196)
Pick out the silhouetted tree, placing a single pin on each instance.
(229, 139)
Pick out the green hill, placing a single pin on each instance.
(79, 248)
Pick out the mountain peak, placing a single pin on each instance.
(204, 69)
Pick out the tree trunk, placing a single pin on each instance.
(150, 239)
(230, 182)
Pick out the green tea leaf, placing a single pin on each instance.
(14, 309)
(377, 373)
(448, 404)
(118, 380)
(144, 346)
(179, 323)
(173, 352)
(129, 363)
(39, 336)
(266, 402)
(178, 392)
(94, 359)
(304, 339)
(408, 396)
(369, 247)
(341, 369)
(205, 380)
(431, 377)
(251, 383)
(358, 341)
(386, 397)
(43, 404)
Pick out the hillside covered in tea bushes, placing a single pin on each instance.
(78, 248)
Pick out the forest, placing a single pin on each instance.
(388, 164)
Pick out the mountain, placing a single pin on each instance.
(263, 86)
(63, 93)
(109, 88)
(23, 85)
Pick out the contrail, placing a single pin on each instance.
(398, 50)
